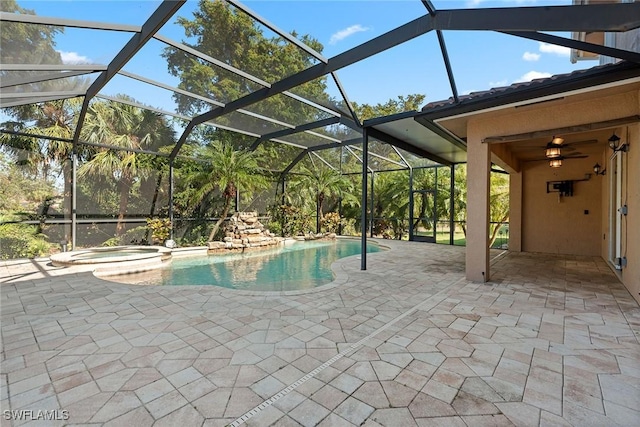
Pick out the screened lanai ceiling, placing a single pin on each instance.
(281, 91)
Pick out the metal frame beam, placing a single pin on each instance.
(89, 68)
(577, 44)
(443, 49)
(381, 43)
(297, 129)
(63, 22)
(25, 80)
(158, 18)
(592, 17)
(277, 30)
(33, 100)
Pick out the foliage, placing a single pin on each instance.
(22, 241)
(288, 220)
(317, 183)
(227, 169)
(219, 30)
(410, 102)
(128, 128)
(160, 229)
(499, 204)
(134, 236)
(20, 192)
(331, 222)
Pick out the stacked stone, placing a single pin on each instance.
(244, 231)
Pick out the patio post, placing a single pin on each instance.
(171, 197)
(411, 204)
(74, 197)
(372, 217)
(363, 202)
(515, 212)
(452, 188)
(478, 187)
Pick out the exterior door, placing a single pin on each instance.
(422, 220)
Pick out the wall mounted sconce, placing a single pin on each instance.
(614, 144)
(596, 169)
(555, 163)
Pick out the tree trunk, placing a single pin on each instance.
(125, 185)
(225, 211)
(494, 233)
(319, 211)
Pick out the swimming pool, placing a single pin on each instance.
(296, 266)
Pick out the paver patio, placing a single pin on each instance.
(551, 340)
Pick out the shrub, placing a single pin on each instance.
(160, 229)
(22, 241)
(330, 222)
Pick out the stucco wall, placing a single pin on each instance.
(630, 275)
(554, 224)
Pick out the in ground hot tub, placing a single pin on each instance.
(115, 260)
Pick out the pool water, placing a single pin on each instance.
(297, 266)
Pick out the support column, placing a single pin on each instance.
(372, 218)
(171, 198)
(515, 212)
(452, 204)
(363, 202)
(478, 171)
(74, 198)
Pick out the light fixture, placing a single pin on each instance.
(556, 140)
(596, 169)
(614, 144)
(552, 151)
(555, 163)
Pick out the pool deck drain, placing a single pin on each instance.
(434, 299)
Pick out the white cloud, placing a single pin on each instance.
(343, 34)
(530, 56)
(532, 75)
(554, 49)
(73, 58)
(499, 83)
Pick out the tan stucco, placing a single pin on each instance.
(556, 224)
(545, 222)
(478, 170)
(629, 276)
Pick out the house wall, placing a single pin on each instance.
(557, 224)
(629, 276)
(561, 226)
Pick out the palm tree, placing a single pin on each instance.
(320, 183)
(127, 128)
(228, 169)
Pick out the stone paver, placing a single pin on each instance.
(551, 340)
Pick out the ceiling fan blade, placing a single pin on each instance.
(586, 142)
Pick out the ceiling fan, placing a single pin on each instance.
(553, 151)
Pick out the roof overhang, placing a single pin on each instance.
(427, 130)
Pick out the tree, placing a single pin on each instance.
(228, 169)
(499, 201)
(231, 36)
(319, 183)
(411, 102)
(126, 128)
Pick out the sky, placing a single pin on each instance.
(480, 60)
